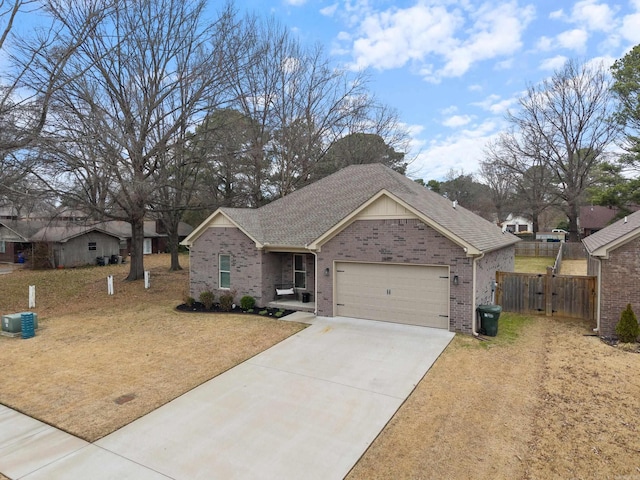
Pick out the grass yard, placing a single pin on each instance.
(93, 352)
(533, 264)
(543, 399)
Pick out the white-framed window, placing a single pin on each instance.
(146, 246)
(224, 269)
(299, 271)
(3, 247)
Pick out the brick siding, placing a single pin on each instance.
(619, 285)
(246, 263)
(399, 241)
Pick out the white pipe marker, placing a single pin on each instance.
(32, 296)
(110, 285)
(147, 279)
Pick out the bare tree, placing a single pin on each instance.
(33, 73)
(501, 185)
(565, 123)
(150, 70)
(299, 105)
(534, 190)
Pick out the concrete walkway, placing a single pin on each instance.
(306, 408)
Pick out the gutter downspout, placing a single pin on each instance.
(315, 281)
(473, 295)
(598, 286)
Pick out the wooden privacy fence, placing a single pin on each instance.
(570, 251)
(537, 294)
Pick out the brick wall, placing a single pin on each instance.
(246, 263)
(399, 241)
(500, 260)
(619, 285)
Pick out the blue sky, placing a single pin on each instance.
(453, 68)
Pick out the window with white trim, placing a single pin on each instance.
(3, 247)
(299, 271)
(224, 269)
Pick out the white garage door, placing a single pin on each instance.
(413, 294)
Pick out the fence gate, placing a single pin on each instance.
(538, 294)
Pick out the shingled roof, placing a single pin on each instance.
(616, 234)
(298, 219)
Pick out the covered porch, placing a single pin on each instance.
(292, 304)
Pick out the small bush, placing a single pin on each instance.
(279, 313)
(226, 302)
(627, 328)
(263, 312)
(207, 298)
(247, 302)
(189, 301)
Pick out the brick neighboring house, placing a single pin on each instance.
(614, 258)
(364, 242)
(592, 218)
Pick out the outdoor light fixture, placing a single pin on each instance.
(326, 272)
(456, 280)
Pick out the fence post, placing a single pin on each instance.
(32, 296)
(548, 292)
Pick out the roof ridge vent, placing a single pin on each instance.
(625, 219)
(455, 203)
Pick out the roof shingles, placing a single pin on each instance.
(298, 219)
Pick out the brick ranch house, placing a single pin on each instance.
(614, 258)
(365, 242)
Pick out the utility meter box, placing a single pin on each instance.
(12, 323)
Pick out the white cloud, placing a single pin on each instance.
(438, 39)
(556, 14)
(596, 16)
(395, 37)
(329, 11)
(460, 151)
(495, 104)
(575, 39)
(554, 63)
(630, 29)
(496, 32)
(544, 44)
(295, 3)
(456, 121)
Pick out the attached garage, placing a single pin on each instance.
(411, 294)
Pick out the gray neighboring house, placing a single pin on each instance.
(76, 245)
(614, 258)
(365, 242)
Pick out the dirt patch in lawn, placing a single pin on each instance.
(554, 403)
(99, 362)
(574, 267)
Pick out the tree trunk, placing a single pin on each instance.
(136, 267)
(572, 214)
(173, 248)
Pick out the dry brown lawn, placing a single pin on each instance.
(93, 351)
(544, 399)
(554, 403)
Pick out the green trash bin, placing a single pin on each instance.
(489, 315)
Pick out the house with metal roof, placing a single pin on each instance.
(365, 242)
(614, 258)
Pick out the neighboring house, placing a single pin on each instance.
(74, 245)
(15, 237)
(155, 236)
(595, 217)
(517, 224)
(20, 238)
(365, 242)
(614, 257)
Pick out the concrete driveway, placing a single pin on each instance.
(306, 408)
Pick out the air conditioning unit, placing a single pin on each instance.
(12, 323)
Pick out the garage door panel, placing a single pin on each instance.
(417, 295)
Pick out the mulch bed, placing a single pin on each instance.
(199, 307)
